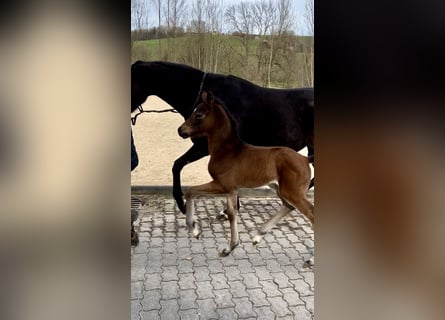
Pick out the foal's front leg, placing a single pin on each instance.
(232, 213)
(207, 188)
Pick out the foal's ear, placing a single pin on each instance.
(204, 96)
(210, 97)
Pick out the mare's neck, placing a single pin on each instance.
(222, 139)
(179, 88)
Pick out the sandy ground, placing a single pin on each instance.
(158, 146)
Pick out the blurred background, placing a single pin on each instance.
(64, 160)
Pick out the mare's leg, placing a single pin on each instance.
(311, 184)
(207, 188)
(232, 213)
(196, 152)
(310, 155)
(134, 237)
(135, 204)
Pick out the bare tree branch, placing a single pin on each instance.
(309, 16)
(286, 18)
(138, 12)
(263, 16)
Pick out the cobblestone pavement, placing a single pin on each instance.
(175, 276)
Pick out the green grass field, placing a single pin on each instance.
(226, 54)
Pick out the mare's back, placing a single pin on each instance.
(267, 117)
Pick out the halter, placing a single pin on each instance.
(141, 110)
(200, 90)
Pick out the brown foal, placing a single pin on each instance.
(235, 164)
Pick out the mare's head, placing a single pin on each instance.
(158, 77)
(201, 120)
(138, 96)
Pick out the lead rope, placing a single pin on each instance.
(141, 110)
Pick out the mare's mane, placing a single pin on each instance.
(173, 65)
(165, 64)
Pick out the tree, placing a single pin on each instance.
(197, 27)
(158, 6)
(308, 48)
(240, 19)
(286, 55)
(264, 16)
(138, 12)
(213, 15)
(175, 12)
(138, 17)
(205, 41)
(286, 18)
(175, 15)
(309, 16)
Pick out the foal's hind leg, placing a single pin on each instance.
(284, 210)
(232, 213)
(304, 206)
(300, 202)
(307, 208)
(222, 214)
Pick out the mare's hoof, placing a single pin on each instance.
(180, 203)
(134, 238)
(134, 215)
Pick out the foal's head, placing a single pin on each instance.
(201, 120)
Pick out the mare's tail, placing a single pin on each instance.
(308, 126)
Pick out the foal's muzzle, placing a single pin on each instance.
(182, 133)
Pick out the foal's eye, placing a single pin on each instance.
(199, 115)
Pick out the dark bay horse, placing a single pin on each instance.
(264, 117)
(235, 164)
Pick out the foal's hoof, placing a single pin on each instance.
(257, 239)
(221, 216)
(225, 252)
(196, 234)
(308, 264)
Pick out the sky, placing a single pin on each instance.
(298, 5)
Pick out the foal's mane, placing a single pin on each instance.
(233, 123)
